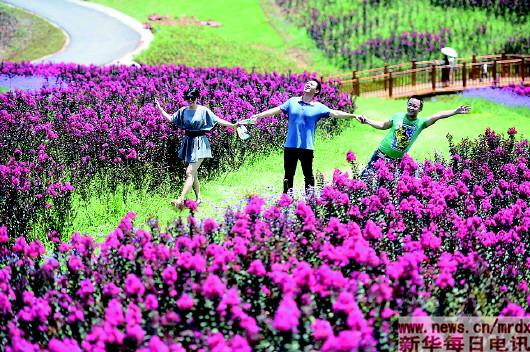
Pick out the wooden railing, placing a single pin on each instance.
(425, 77)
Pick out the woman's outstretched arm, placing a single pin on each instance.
(167, 116)
(225, 123)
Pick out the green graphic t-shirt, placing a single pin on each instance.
(402, 135)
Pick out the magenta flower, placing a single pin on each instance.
(321, 329)
(133, 285)
(4, 238)
(350, 156)
(257, 268)
(169, 275)
(287, 315)
(185, 302)
(66, 345)
(156, 345)
(213, 286)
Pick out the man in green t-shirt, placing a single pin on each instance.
(404, 130)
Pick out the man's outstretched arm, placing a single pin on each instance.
(343, 115)
(464, 109)
(380, 125)
(271, 112)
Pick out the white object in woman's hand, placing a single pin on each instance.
(242, 133)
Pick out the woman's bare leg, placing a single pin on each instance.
(191, 175)
(197, 189)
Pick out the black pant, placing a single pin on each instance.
(290, 160)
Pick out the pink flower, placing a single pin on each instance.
(136, 332)
(213, 286)
(156, 345)
(191, 205)
(67, 345)
(287, 315)
(321, 329)
(348, 340)
(75, 263)
(169, 275)
(210, 225)
(350, 156)
(254, 206)
(285, 201)
(133, 285)
(240, 344)
(257, 268)
(345, 302)
(513, 310)
(4, 238)
(151, 302)
(185, 302)
(114, 312)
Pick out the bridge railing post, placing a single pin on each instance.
(413, 64)
(390, 84)
(433, 77)
(474, 67)
(505, 69)
(353, 76)
(494, 72)
(385, 72)
(356, 88)
(464, 75)
(522, 69)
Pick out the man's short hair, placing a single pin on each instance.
(319, 85)
(417, 98)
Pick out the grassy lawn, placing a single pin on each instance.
(102, 212)
(3, 89)
(34, 37)
(248, 37)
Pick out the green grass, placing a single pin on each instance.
(248, 37)
(264, 177)
(402, 16)
(3, 89)
(200, 46)
(34, 38)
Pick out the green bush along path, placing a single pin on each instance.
(29, 37)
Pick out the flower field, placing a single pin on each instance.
(100, 123)
(512, 95)
(368, 34)
(331, 273)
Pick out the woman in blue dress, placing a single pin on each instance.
(196, 120)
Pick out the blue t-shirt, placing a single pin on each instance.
(302, 123)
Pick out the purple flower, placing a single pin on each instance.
(350, 156)
(287, 315)
(134, 286)
(169, 275)
(213, 286)
(185, 302)
(321, 329)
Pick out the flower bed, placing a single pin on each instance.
(101, 122)
(512, 95)
(330, 274)
(372, 33)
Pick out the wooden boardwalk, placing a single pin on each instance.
(424, 78)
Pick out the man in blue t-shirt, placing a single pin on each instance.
(303, 113)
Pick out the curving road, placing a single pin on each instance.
(96, 34)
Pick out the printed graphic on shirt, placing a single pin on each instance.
(402, 137)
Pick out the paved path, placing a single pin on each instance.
(96, 34)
